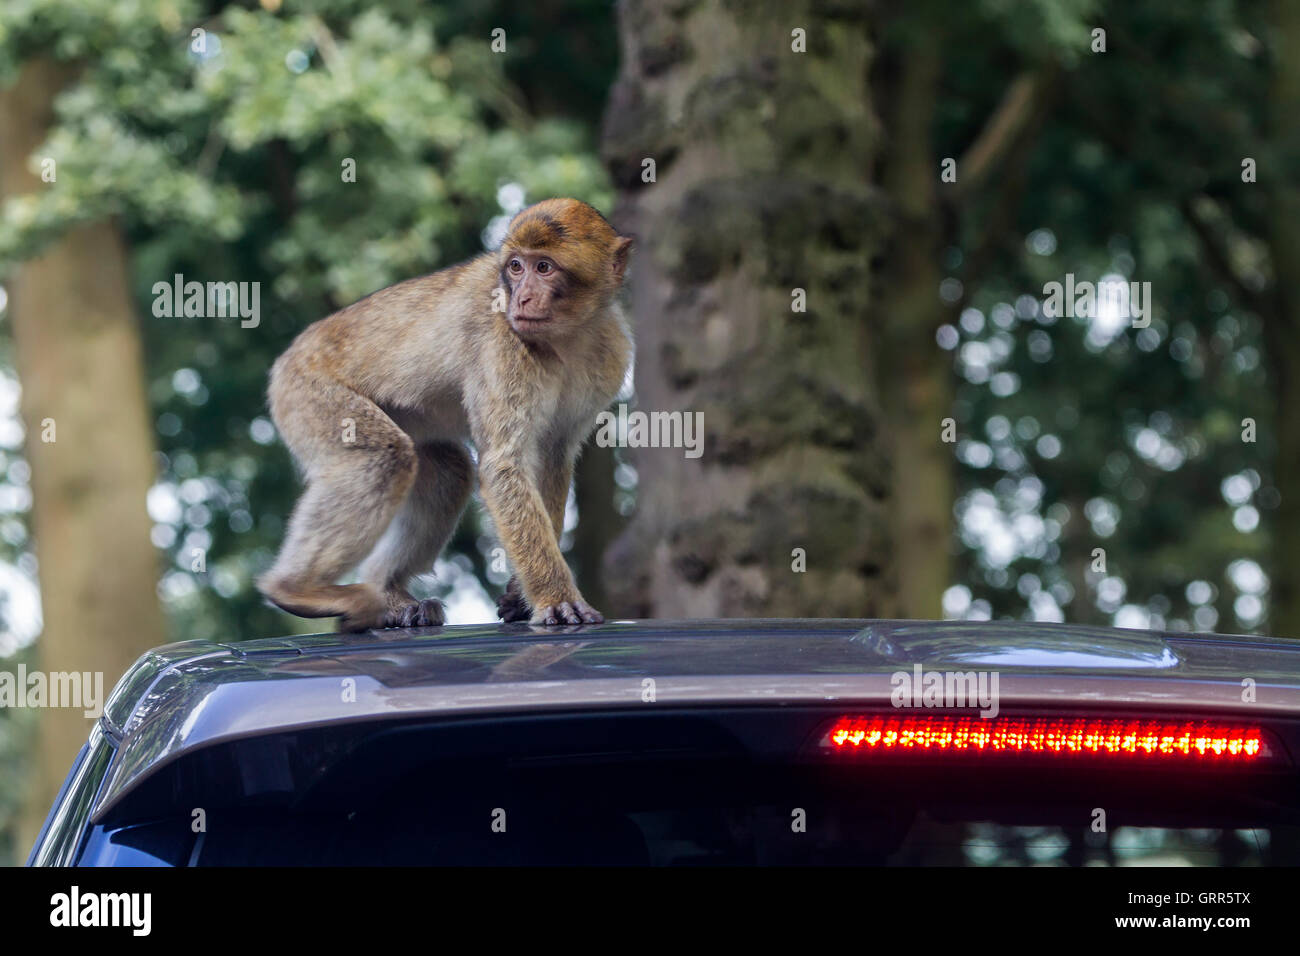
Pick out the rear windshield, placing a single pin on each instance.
(688, 789)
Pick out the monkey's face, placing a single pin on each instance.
(561, 264)
(542, 299)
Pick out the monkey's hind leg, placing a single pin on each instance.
(426, 519)
(352, 495)
(329, 533)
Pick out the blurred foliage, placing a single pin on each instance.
(1080, 434)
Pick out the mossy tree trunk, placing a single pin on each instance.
(763, 163)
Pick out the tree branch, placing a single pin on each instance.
(1000, 133)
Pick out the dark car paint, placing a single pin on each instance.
(184, 696)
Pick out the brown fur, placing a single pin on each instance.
(418, 369)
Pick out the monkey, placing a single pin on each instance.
(514, 352)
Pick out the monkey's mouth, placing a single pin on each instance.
(528, 322)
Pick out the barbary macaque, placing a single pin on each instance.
(515, 350)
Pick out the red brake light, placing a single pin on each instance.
(1064, 738)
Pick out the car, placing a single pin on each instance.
(693, 742)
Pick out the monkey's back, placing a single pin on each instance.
(398, 344)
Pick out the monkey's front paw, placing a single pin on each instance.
(512, 607)
(426, 613)
(567, 612)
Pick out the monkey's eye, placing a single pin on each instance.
(516, 266)
(544, 267)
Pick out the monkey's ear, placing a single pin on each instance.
(622, 246)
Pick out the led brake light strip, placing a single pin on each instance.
(1064, 737)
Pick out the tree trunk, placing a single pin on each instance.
(915, 373)
(1282, 329)
(762, 193)
(78, 358)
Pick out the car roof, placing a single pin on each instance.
(188, 695)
